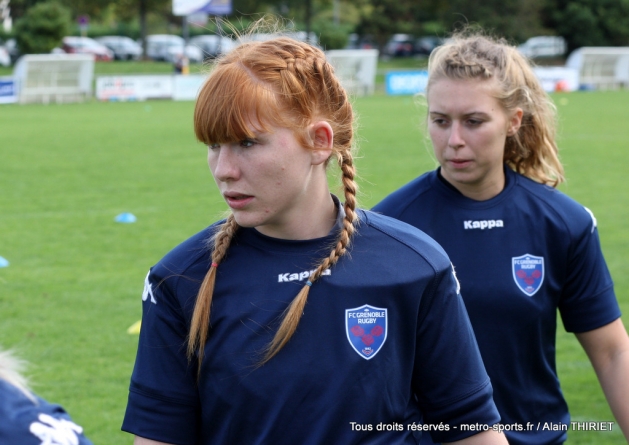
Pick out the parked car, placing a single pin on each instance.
(543, 46)
(212, 45)
(123, 48)
(400, 45)
(169, 48)
(355, 41)
(425, 45)
(86, 45)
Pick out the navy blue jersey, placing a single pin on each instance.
(26, 421)
(384, 336)
(519, 257)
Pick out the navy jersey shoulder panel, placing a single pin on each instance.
(413, 238)
(398, 201)
(575, 217)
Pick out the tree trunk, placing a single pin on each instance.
(143, 27)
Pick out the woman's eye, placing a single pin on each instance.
(214, 146)
(474, 122)
(247, 143)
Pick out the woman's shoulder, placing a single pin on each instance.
(556, 204)
(394, 237)
(398, 201)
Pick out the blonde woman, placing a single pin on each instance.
(299, 319)
(26, 419)
(521, 249)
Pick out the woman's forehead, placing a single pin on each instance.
(447, 95)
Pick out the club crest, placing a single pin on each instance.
(528, 273)
(366, 329)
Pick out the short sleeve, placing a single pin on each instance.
(163, 400)
(452, 385)
(588, 300)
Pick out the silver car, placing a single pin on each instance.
(169, 47)
(212, 45)
(124, 48)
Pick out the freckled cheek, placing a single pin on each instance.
(279, 175)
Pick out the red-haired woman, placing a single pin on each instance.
(298, 319)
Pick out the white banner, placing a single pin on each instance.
(187, 87)
(121, 88)
(212, 7)
(557, 78)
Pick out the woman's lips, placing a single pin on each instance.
(237, 200)
(459, 163)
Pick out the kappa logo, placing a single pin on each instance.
(366, 328)
(483, 224)
(301, 276)
(53, 431)
(148, 290)
(528, 273)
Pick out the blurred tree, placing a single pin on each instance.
(130, 9)
(589, 22)
(516, 20)
(42, 27)
(92, 8)
(383, 18)
(158, 13)
(19, 7)
(333, 22)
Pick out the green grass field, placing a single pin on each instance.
(75, 279)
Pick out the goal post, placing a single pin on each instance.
(356, 69)
(45, 78)
(601, 67)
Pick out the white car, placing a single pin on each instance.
(169, 47)
(543, 46)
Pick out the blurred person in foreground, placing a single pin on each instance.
(521, 249)
(26, 419)
(299, 319)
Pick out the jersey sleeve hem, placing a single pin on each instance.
(162, 420)
(476, 408)
(595, 312)
(159, 397)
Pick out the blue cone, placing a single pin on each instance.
(126, 218)
(4, 262)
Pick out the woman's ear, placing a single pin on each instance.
(322, 136)
(515, 122)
